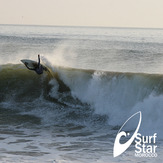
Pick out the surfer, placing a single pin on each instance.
(38, 68)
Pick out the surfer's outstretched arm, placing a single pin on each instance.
(38, 60)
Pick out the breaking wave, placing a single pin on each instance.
(112, 94)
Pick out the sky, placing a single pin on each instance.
(107, 13)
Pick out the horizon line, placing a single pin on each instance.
(83, 26)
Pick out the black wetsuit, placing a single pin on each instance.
(38, 68)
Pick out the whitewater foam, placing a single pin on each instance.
(119, 94)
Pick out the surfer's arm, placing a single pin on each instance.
(38, 60)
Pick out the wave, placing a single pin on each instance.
(117, 95)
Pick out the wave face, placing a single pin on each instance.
(19, 84)
(111, 95)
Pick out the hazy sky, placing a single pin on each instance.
(117, 13)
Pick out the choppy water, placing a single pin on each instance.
(99, 78)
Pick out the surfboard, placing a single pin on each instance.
(32, 64)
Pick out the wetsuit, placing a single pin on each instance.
(38, 68)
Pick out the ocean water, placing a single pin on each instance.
(98, 78)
